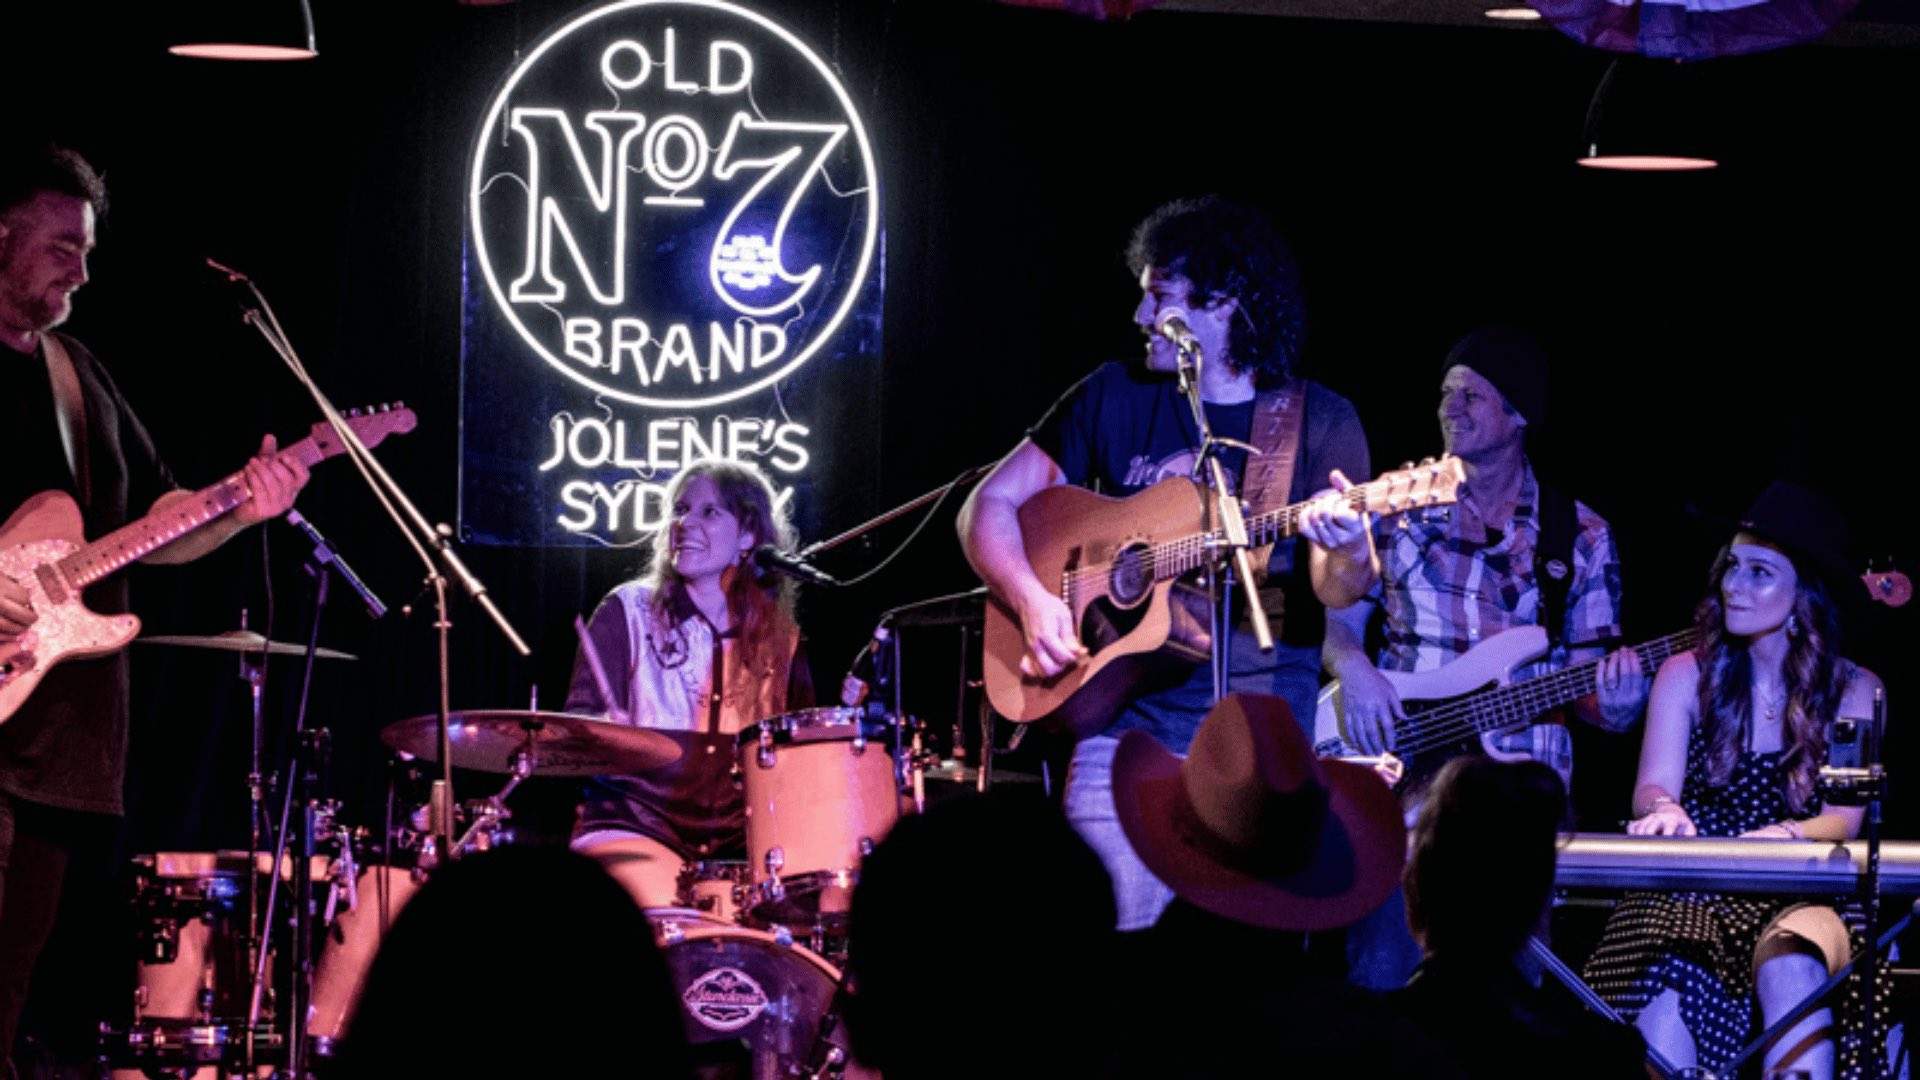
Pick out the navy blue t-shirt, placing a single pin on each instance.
(1122, 429)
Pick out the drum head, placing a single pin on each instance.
(744, 995)
(817, 725)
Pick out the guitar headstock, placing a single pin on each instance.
(372, 425)
(1886, 584)
(1413, 487)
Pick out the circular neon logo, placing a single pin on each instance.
(673, 202)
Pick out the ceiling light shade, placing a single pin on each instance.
(1647, 116)
(243, 30)
(1693, 29)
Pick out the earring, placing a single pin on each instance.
(1793, 625)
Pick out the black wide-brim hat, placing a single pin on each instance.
(1805, 525)
(1251, 826)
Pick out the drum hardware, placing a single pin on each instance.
(252, 650)
(195, 976)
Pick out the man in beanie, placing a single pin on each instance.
(1513, 552)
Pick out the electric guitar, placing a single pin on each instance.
(1117, 564)
(1455, 709)
(42, 546)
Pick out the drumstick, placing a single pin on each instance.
(597, 668)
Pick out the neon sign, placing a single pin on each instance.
(672, 206)
(555, 229)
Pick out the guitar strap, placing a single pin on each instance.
(1553, 559)
(70, 412)
(1278, 419)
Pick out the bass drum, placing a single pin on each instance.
(753, 1003)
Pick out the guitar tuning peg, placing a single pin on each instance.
(1429, 461)
(1406, 465)
(353, 412)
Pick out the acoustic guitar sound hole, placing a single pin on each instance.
(1130, 577)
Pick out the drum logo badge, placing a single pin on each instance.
(725, 999)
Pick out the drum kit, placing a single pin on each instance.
(755, 948)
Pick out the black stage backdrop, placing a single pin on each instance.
(1709, 332)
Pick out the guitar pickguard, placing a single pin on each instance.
(63, 627)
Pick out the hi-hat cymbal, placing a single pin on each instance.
(954, 772)
(242, 641)
(562, 744)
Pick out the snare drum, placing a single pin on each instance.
(754, 989)
(821, 789)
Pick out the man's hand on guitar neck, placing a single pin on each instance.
(1621, 686)
(1342, 563)
(16, 609)
(273, 482)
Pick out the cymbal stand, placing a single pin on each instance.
(489, 814)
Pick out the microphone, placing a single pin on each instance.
(769, 558)
(232, 274)
(1173, 326)
(325, 555)
(854, 687)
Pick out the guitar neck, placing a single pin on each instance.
(1176, 557)
(1283, 524)
(132, 542)
(1516, 704)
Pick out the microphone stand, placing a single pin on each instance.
(420, 533)
(1231, 534)
(811, 551)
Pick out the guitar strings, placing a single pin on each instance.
(1452, 722)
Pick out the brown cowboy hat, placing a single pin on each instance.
(1253, 827)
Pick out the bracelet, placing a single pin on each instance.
(1794, 829)
(1660, 801)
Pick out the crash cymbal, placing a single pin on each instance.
(242, 641)
(562, 744)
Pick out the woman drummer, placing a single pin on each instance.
(697, 647)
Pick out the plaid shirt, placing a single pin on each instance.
(1449, 582)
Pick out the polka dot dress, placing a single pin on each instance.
(1701, 944)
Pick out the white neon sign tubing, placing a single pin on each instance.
(546, 220)
(618, 187)
(727, 246)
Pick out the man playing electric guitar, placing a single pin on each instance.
(1511, 553)
(1227, 273)
(65, 427)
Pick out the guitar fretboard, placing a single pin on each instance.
(135, 541)
(1189, 553)
(1506, 706)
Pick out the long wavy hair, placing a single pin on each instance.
(1228, 250)
(1813, 674)
(759, 604)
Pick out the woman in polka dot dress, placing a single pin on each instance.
(1736, 735)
